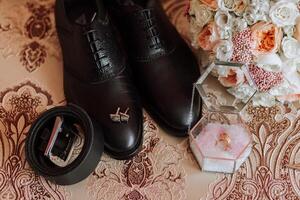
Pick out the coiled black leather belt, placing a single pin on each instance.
(53, 134)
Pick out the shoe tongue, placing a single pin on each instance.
(86, 18)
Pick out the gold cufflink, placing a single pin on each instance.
(120, 117)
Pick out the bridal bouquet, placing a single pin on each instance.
(264, 34)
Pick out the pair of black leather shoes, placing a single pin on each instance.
(99, 77)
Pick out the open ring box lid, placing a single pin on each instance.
(221, 141)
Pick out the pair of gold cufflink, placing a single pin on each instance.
(120, 117)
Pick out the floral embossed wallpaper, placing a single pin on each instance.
(31, 82)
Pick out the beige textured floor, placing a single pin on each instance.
(31, 82)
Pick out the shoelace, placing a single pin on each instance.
(149, 24)
(99, 54)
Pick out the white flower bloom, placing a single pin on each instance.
(257, 11)
(290, 73)
(283, 89)
(226, 5)
(226, 33)
(243, 92)
(284, 13)
(290, 47)
(270, 62)
(289, 30)
(224, 50)
(224, 22)
(236, 6)
(263, 8)
(223, 19)
(201, 13)
(234, 16)
(239, 24)
(264, 5)
(250, 16)
(271, 68)
(264, 99)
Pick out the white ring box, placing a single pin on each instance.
(220, 141)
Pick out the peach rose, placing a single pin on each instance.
(233, 78)
(208, 37)
(267, 37)
(289, 98)
(239, 7)
(297, 30)
(210, 3)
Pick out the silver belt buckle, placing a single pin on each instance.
(58, 129)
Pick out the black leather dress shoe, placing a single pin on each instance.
(96, 74)
(164, 66)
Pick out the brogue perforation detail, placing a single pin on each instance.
(103, 69)
(149, 24)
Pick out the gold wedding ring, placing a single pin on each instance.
(225, 140)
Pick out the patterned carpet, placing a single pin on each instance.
(31, 82)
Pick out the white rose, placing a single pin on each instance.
(264, 99)
(237, 6)
(239, 24)
(243, 92)
(257, 11)
(289, 30)
(284, 13)
(290, 47)
(283, 89)
(201, 13)
(224, 22)
(226, 5)
(290, 73)
(270, 62)
(264, 5)
(263, 10)
(223, 19)
(225, 33)
(250, 15)
(224, 50)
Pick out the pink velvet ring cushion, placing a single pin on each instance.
(220, 141)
